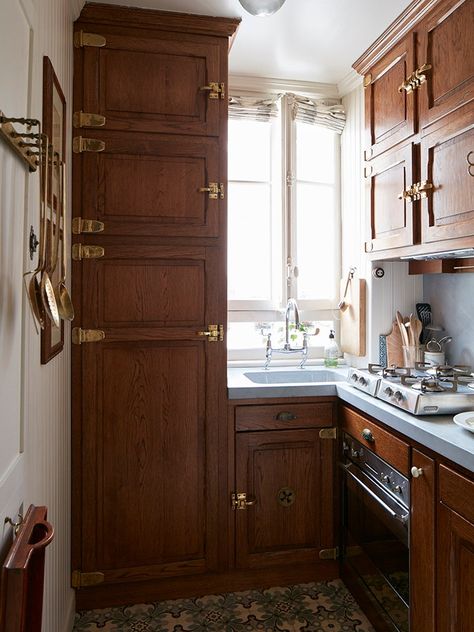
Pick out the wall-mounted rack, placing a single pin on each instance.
(26, 144)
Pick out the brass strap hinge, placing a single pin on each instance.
(328, 433)
(214, 333)
(80, 225)
(81, 251)
(87, 119)
(82, 39)
(80, 144)
(214, 189)
(239, 501)
(80, 580)
(215, 90)
(329, 554)
(78, 335)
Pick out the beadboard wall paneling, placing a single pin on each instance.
(396, 290)
(36, 414)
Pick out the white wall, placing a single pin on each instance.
(35, 399)
(396, 290)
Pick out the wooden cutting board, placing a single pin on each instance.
(353, 318)
(394, 346)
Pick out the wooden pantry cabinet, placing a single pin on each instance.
(419, 112)
(149, 282)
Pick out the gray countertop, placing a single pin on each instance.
(437, 432)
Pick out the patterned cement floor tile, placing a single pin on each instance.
(322, 607)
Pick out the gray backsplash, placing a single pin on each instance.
(451, 297)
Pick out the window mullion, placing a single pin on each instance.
(289, 199)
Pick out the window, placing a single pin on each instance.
(283, 221)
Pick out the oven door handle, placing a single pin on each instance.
(401, 518)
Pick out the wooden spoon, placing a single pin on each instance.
(403, 330)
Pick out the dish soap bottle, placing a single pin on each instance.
(331, 351)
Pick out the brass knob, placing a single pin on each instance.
(367, 435)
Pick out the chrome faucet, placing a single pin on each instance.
(291, 308)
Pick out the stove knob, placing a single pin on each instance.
(354, 377)
(386, 479)
(398, 395)
(388, 391)
(355, 454)
(398, 489)
(363, 381)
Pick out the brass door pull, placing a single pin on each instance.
(367, 435)
(286, 416)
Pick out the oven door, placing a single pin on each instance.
(375, 544)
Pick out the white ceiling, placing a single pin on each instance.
(307, 40)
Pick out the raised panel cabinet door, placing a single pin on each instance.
(445, 43)
(150, 185)
(151, 81)
(455, 572)
(389, 112)
(447, 211)
(389, 177)
(422, 545)
(289, 476)
(152, 394)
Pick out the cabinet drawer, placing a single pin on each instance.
(457, 492)
(388, 447)
(284, 416)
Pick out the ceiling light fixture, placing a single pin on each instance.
(262, 8)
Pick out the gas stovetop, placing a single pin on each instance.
(422, 390)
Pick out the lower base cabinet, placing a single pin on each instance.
(455, 564)
(284, 497)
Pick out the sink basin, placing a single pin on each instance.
(294, 377)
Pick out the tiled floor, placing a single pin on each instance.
(322, 607)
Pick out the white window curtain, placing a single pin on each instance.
(317, 112)
(254, 108)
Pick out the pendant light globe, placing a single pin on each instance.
(262, 8)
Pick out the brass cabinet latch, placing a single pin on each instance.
(407, 194)
(215, 90)
(214, 189)
(87, 119)
(80, 580)
(214, 333)
(82, 39)
(420, 189)
(415, 80)
(80, 225)
(78, 335)
(239, 501)
(81, 144)
(81, 251)
(328, 433)
(329, 554)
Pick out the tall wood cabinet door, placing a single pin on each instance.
(446, 154)
(151, 81)
(389, 112)
(445, 43)
(153, 395)
(391, 214)
(150, 185)
(422, 545)
(289, 475)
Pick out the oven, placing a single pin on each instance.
(375, 535)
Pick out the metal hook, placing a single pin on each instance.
(16, 525)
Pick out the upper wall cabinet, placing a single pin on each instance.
(418, 79)
(445, 46)
(390, 112)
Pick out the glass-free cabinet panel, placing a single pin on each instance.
(389, 179)
(389, 109)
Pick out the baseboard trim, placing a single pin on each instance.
(104, 596)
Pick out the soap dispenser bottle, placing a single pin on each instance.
(331, 351)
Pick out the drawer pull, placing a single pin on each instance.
(367, 435)
(416, 472)
(285, 416)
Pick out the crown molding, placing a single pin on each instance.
(393, 34)
(349, 83)
(270, 85)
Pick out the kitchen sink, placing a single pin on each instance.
(294, 377)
